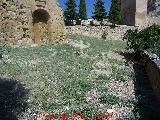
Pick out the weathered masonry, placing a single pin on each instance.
(140, 12)
(31, 21)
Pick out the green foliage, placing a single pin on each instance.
(75, 89)
(147, 39)
(2, 50)
(99, 10)
(104, 35)
(59, 80)
(70, 12)
(109, 99)
(82, 10)
(115, 14)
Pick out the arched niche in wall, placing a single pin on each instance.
(40, 25)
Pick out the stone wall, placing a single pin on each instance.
(27, 21)
(151, 6)
(152, 20)
(97, 31)
(154, 8)
(128, 11)
(141, 12)
(134, 12)
(154, 12)
(152, 65)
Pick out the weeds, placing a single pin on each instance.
(58, 79)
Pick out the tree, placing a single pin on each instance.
(70, 12)
(115, 14)
(82, 10)
(99, 11)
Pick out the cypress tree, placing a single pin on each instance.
(70, 12)
(99, 11)
(82, 10)
(115, 14)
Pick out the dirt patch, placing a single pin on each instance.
(113, 55)
(92, 97)
(102, 68)
(124, 90)
(78, 44)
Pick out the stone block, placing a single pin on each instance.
(2, 40)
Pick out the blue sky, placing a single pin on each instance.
(89, 5)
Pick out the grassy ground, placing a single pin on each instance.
(85, 75)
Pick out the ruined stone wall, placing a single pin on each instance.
(154, 12)
(116, 33)
(128, 10)
(152, 65)
(153, 8)
(134, 12)
(97, 31)
(150, 6)
(17, 21)
(141, 12)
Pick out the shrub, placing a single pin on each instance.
(109, 99)
(1, 51)
(147, 39)
(104, 35)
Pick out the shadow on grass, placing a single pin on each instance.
(148, 106)
(12, 102)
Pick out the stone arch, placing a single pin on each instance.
(40, 15)
(40, 24)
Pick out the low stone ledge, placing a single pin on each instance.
(152, 65)
(98, 31)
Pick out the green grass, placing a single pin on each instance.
(58, 79)
(109, 99)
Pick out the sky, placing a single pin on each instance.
(89, 5)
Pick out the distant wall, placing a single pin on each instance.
(97, 31)
(150, 6)
(134, 12)
(128, 10)
(141, 12)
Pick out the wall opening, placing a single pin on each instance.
(40, 25)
